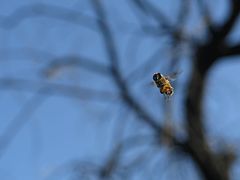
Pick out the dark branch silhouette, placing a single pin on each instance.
(83, 93)
(113, 57)
(18, 122)
(49, 11)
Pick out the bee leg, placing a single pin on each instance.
(167, 98)
(161, 91)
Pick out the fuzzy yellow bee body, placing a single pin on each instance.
(163, 83)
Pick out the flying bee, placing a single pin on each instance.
(163, 83)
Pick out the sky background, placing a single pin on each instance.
(56, 130)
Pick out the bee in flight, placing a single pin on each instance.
(163, 83)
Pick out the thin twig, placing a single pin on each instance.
(82, 93)
(49, 11)
(18, 122)
(60, 63)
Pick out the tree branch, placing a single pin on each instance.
(56, 88)
(19, 121)
(206, 16)
(227, 26)
(110, 46)
(212, 165)
(57, 64)
(41, 9)
(164, 26)
(233, 50)
(149, 9)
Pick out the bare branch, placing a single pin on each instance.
(165, 27)
(149, 9)
(183, 13)
(25, 53)
(113, 160)
(233, 50)
(227, 26)
(212, 165)
(19, 121)
(57, 64)
(148, 64)
(109, 41)
(110, 46)
(49, 11)
(206, 16)
(56, 88)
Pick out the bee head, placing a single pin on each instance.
(156, 76)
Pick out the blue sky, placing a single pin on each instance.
(63, 129)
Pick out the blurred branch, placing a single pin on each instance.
(206, 16)
(108, 38)
(212, 165)
(149, 9)
(227, 26)
(18, 122)
(80, 169)
(45, 88)
(209, 53)
(125, 93)
(137, 73)
(57, 64)
(56, 88)
(231, 50)
(183, 13)
(112, 162)
(50, 11)
(111, 49)
(25, 52)
(110, 168)
(165, 27)
(110, 46)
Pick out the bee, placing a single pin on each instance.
(163, 83)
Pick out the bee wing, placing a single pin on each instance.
(173, 76)
(150, 84)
